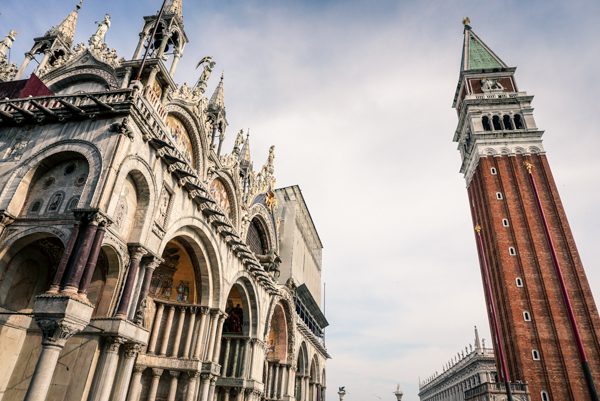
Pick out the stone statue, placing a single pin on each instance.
(239, 141)
(271, 159)
(491, 85)
(342, 389)
(97, 39)
(270, 262)
(6, 44)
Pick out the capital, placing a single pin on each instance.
(157, 372)
(139, 369)
(152, 262)
(174, 373)
(56, 332)
(194, 375)
(204, 310)
(137, 252)
(114, 343)
(131, 350)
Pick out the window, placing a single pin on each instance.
(535, 354)
(512, 251)
(505, 222)
(36, 206)
(545, 396)
(497, 124)
(493, 171)
(485, 121)
(518, 122)
(507, 123)
(499, 195)
(526, 316)
(519, 282)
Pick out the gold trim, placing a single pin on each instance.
(528, 166)
(478, 229)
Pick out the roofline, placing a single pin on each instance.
(297, 189)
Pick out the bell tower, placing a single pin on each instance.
(539, 300)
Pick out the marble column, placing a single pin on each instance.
(28, 58)
(60, 271)
(218, 339)
(190, 333)
(156, 373)
(205, 386)
(163, 44)
(253, 345)
(244, 358)
(225, 358)
(200, 336)
(105, 371)
(47, 54)
(165, 340)
(136, 253)
(76, 271)
(138, 49)
(226, 391)
(175, 352)
(124, 375)
(176, 56)
(152, 77)
(152, 262)
(126, 78)
(213, 332)
(90, 266)
(240, 394)
(269, 381)
(155, 328)
(276, 382)
(191, 390)
(173, 385)
(42, 376)
(236, 352)
(135, 388)
(211, 391)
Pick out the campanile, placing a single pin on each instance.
(539, 300)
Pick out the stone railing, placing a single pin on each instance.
(155, 102)
(495, 388)
(501, 95)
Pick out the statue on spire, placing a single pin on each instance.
(6, 44)
(208, 67)
(97, 39)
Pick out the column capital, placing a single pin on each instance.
(139, 368)
(174, 373)
(213, 380)
(182, 309)
(194, 375)
(155, 69)
(157, 372)
(214, 313)
(114, 343)
(30, 55)
(205, 376)
(204, 310)
(193, 310)
(56, 332)
(248, 391)
(227, 389)
(131, 350)
(152, 262)
(137, 252)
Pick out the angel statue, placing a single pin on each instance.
(208, 67)
(239, 141)
(98, 38)
(6, 44)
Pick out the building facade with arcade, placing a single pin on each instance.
(139, 260)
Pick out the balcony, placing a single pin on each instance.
(496, 389)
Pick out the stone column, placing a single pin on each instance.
(126, 78)
(205, 377)
(225, 358)
(200, 336)
(28, 58)
(276, 382)
(173, 386)
(59, 318)
(236, 352)
(240, 394)
(226, 392)
(163, 45)
(152, 76)
(221, 139)
(155, 328)
(138, 49)
(90, 267)
(218, 339)
(253, 345)
(165, 340)
(76, 271)
(156, 373)
(47, 54)
(136, 253)
(211, 391)
(213, 146)
(135, 388)
(124, 375)
(60, 271)
(176, 56)
(175, 352)
(191, 391)
(213, 332)
(285, 390)
(190, 333)
(152, 262)
(269, 382)
(105, 371)
(244, 358)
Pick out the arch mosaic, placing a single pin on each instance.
(82, 73)
(287, 303)
(244, 279)
(199, 145)
(227, 186)
(68, 149)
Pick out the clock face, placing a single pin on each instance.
(219, 192)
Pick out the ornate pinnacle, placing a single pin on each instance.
(478, 229)
(528, 166)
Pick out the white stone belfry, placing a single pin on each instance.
(398, 393)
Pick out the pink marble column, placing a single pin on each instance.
(90, 267)
(136, 253)
(60, 271)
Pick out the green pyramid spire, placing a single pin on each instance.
(477, 55)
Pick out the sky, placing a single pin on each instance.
(356, 97)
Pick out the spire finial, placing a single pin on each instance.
(466, 21)
(222, 75)
(478, 229)
(79, 5)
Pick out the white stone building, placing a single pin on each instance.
(470, 375)
(138, 260)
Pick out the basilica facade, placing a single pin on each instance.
(139, 258)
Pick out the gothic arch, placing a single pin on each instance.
(204, 245)
(147, 194)
(18, 183)
(199, 145)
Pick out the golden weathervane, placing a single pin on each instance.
(528, 166)
(466, 21)
(478, 228)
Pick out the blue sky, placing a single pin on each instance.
(357, 98)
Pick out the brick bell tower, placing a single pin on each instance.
(540, 305)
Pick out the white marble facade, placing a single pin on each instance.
(138, 260)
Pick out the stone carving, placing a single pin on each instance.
(8, 71)
(187, 94)
(56, 332)
(208, 67)
(270, 262)
(164, 207)
(114, 343)
(17, 147)
(239, 141)
(228, 161)
(6, 44)
(121, 128)
(97, 39)
(491, 85)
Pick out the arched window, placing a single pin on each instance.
(496, 123)
(519, 282)
(518, 122)
(507, 122)
(485, 121)
(545, 396)
(535, 354)
(255, 238)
